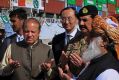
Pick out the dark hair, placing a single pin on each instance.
(2, 31)
(20, 13)
(74, 9)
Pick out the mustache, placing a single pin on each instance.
(82, 26)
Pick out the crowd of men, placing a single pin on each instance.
(90, 52)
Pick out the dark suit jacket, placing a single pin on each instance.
(58, 44)
(5, 44)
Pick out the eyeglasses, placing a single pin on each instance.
(64, 19)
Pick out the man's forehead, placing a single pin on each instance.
(14, 16)
(32, 24)
(68, 12)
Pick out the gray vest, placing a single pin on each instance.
(30, 60)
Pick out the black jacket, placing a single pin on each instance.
(6, 42)
(99, 65)
(58, 44)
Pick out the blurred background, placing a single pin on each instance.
(47, 12)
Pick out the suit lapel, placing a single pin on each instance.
(62, 40)
(76, 37)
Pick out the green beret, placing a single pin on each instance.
(88, 10)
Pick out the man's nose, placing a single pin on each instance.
(66, 21)
(81, 22)
(29, 34)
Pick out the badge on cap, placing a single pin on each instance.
(85, 10)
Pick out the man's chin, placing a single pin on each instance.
(30, 42)
(85, 32)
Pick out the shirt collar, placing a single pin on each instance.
(72, 34)
(19, 37)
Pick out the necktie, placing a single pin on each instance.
(68, 38)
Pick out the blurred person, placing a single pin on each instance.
(17, 18)
(2, 33)
(29, 59)
(112, 21)
(94, 51)
(111, 31)
(69, 22)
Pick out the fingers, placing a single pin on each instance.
(63, 75)
(63, 55)
(76, 59)
(13, 64)
(60, 71)
(46, 66)
(51, 61)
(10, 60)
(63, 59)
(67, 67)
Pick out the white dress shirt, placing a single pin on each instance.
(72, 35)
(19, 38)
(109, 74)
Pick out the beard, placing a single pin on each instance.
(93, 50)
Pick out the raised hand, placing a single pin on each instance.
(63, 59)
(13, 64)
(65, 76)
(47, 65)
(76, 59)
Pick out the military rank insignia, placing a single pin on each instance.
(85, 10)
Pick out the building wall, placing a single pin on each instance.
(111, 8)
(54, 6)
(79, 2)
(117, 4)
(4, 3)
(104, 14)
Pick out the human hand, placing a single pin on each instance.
(63, 59)
(47, 65)
(64, 76)
(13, 64)
(75, 59)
